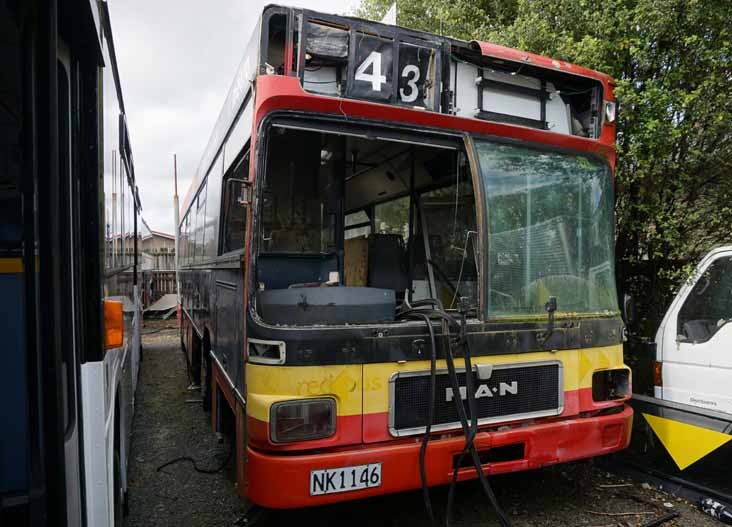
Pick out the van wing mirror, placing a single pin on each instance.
(629, 314)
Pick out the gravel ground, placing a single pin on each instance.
(168, 425)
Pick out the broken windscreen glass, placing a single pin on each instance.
(550, 231)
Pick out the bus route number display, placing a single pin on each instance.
(374, 70)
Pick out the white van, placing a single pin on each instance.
(694, 341)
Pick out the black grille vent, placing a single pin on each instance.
(537, 389)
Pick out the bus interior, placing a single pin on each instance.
(355, 226)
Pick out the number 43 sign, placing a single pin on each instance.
(374, 69)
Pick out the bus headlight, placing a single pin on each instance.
(611, 385)
(302, 420)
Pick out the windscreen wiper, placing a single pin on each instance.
(551, 308)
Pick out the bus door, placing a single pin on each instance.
(68, 266)
(230, 312)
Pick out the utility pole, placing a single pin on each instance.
(176, 221)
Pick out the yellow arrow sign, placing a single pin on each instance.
(686, 443)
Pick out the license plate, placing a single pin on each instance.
(344, 479)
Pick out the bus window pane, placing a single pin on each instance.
(239, 137)
(200, 219)
(190, 225)
(122, 183)
(301, 192)
(213, 199)
(234, 231)
(111, 165)
(392, 217)
(192, 235)
(356, 225)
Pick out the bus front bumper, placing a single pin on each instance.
(283, 481)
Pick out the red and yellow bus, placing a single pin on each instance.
(378, 212)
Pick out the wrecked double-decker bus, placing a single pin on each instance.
(378, 212)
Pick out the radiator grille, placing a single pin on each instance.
(538, 391)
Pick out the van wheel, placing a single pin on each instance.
(118, 492)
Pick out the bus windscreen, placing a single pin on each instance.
(550, 231)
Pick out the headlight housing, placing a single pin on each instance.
(266, 351)
(611, 385)
(302, 420)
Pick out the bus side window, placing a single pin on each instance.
(235, 210)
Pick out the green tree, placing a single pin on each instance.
(457, 18)
(672, 61)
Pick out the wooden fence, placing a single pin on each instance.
(156, 284)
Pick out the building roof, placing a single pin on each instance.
(163, 235)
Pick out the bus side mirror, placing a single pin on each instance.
(244, 196)
(113, 324)
(628, 309)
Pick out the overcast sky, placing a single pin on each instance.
(177, 59)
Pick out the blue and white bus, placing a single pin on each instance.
(70, 309)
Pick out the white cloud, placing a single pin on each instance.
(176, 60)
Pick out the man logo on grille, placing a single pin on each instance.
(484, 390)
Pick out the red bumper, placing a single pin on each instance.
(283, 481)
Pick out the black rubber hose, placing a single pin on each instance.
(195, 464)
(472, 405)
(469, 429)
(430, 414)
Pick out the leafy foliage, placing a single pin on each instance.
(672, 61)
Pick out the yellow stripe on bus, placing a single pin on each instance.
(270, 384)
(11, 265)
(365, 388)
